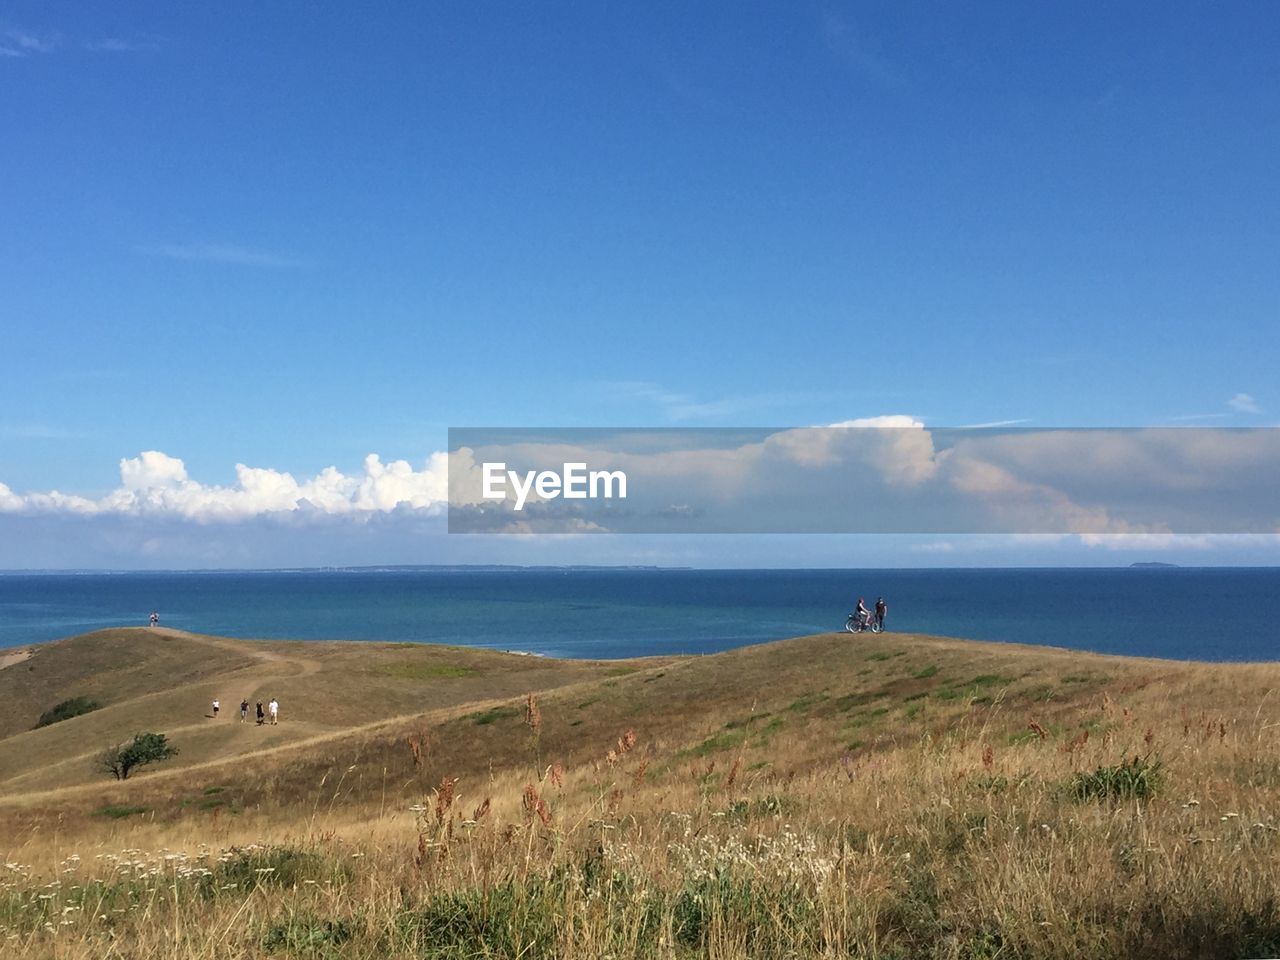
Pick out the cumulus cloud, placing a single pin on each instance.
(156, 484)
(1244, 403)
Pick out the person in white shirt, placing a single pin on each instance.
(216, 704)
(273, 708)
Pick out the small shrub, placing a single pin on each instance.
(1136, 779)
(306, 935)
(118, 811)
(276, 867)
(74, 707)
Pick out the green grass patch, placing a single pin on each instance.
(1040, 693)
(306, 936)
(769, 806)
(806, 701)
(483, 718)
(719, 742)
(880, 656)
(851, 700)
(427, 671)
(620, 671)
(747, 721)
(586, 703)
(1136, 779)
(967, 690)
(118, 811)
(927, 672)
(211, 791)
(990, 680)
(282, 866)
(74, 707)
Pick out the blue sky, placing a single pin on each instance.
(289, 236)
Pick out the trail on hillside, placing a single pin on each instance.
(270, 665)
(14, 657)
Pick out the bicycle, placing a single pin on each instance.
(857, 624)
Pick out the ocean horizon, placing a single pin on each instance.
(1200, 613)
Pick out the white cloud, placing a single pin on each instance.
(993, 424)
(1177, 541)
(22, 42)
(1244, 403)
(156, 484)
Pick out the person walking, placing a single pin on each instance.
(155, 618)
(882, 609)
(244, 710)
(273, 708)
(216, 705)
(260, 714)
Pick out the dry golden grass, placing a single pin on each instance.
(897, 797)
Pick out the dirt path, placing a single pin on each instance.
(13, 657)
(306, 666)
(252, 681)
(279, 667)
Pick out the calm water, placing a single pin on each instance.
(1214, 614)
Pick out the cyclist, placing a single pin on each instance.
(862, 613)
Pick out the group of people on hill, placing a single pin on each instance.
(866, 617)
(269, 714)
(272, 711)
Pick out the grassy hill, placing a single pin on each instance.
(894, 796)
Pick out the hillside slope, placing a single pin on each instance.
(883, 797)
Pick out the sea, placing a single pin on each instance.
(1178, 613)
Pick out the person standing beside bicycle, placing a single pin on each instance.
(882, 609)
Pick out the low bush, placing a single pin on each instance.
(74, 707)
(1136, 779)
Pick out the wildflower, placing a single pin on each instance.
(444, 797)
